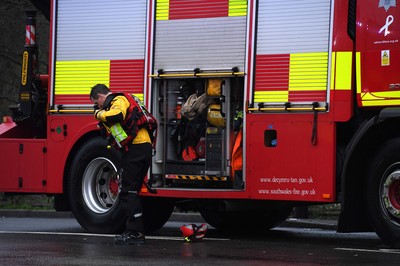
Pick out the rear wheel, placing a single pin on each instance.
(93, 192)
(156, 212)
(93, 188)
(383, 193)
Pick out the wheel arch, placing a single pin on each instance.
(372, 134)
(60, 200)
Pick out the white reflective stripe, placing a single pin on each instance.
(137, 215)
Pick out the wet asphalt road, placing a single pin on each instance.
(61, 241)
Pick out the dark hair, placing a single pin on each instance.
(98, 89)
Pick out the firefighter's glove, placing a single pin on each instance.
(103, 130)
(97, 114)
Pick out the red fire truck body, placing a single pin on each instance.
(312, 88)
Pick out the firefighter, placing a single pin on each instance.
(136, 159)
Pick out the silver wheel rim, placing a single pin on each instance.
(390, 196)
(100, 185)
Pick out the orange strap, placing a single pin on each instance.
(237, 153)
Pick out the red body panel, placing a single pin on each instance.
(378, 35)
(340, 38)
(23, 162)
(341, 100)
(201, 194)
(64, 132)
(37, 165)
(294, 169)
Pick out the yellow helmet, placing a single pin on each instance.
(214, 87)
(214, 115)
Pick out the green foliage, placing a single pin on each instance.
(26, 202)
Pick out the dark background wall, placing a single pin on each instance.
(12, 41)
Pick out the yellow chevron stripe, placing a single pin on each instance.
(162, 10)
(379, 98)
(308, 71)
(383, 98)
(271, 96)
(343, 70)
(358, 72)
(333, 70)
(237, 8)
(198, 177)
(77, 77)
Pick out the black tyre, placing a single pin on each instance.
(383, 193)
(92, 188)
(156, 212)
(246, 220)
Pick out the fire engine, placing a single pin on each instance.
(262, 105)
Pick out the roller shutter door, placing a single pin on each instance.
(98, 41)
(292, 56)
(200, 34)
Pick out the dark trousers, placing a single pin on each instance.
(135, 164)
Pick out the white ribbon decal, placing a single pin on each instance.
(389, 20)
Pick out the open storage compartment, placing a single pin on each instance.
(199, 120)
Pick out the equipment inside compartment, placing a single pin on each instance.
(201, 118)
